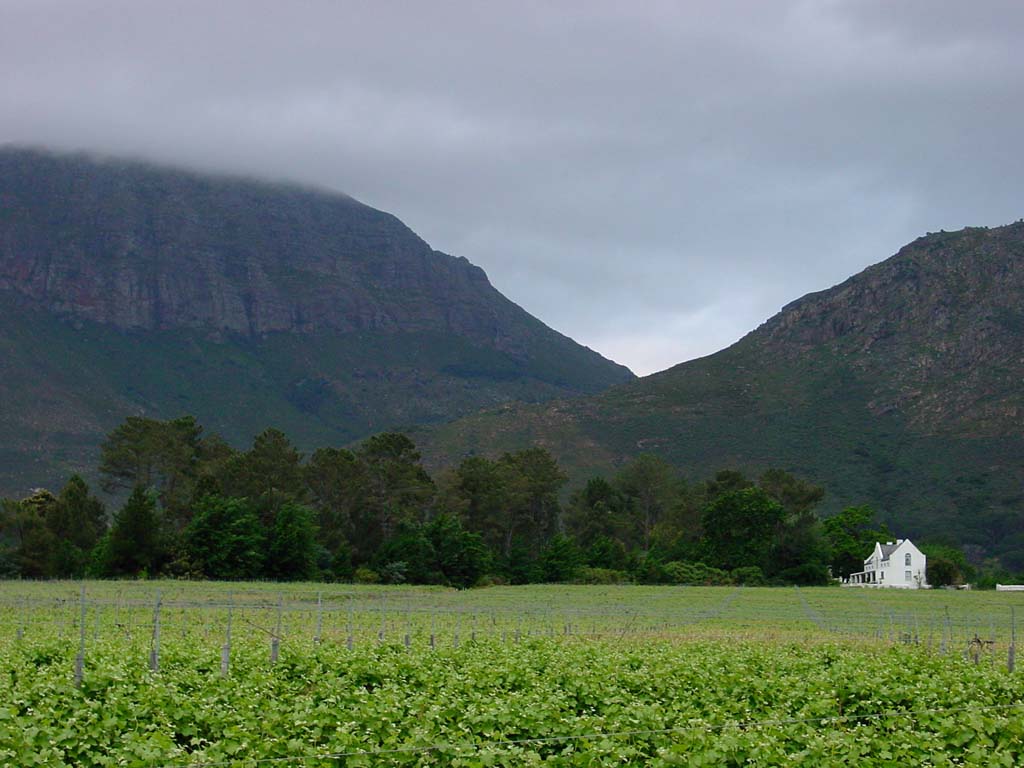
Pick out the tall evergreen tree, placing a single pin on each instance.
(77, 521)
(163, 455)
(461, 557)
(135, 537)
(598, 512)
(269, 474)
(851, 535)
(31, 543)
(397, 490)
(797, 496)
(561, 559)
(651, 485)
(478, 491)
(338, 483)
(409, 555)
(532, 513)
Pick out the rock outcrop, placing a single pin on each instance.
(127, 288)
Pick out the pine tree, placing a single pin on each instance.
(135, 536)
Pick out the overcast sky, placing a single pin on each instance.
(653, 179)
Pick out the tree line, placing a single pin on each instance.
(194, 507)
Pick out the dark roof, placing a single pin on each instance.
(888, 549)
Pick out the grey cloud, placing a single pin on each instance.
(653, 179)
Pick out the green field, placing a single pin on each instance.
(185, 674)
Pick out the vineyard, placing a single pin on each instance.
(186, 674)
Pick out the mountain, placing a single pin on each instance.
(128, 289)
(900, 388)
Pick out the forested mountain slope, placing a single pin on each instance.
(901, 388)
(127, 289)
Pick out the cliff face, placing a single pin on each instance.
(939, 327)
(899, 388)
(143, 248)
(172, 292)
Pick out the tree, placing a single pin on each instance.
(163, 455)
(651, 485)
(224, 539)
(409, 546)
(397, 489)
(851, 535)
(800, 552)
(30, 548)
(131, 454)
(338, 485)
(269, 474)
(606, 552)
(678, 531)
(532, 482)
(478, 492)
(561, 559)
(725, 481)
(522, 564)
(739, 529)
(213, 454)
(292, 547)
(798, 497)
(598, 511)
(947, 565)
(461, 557)
(77, 520)
(134, 545)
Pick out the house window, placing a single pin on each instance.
(906, 560)
(906, 576)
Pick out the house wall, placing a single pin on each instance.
(900, 574)
(895, 571)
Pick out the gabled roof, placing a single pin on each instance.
(886, 550)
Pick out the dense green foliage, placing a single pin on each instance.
(198, 508)
(51, 536)
(559, 676)
(224, 539)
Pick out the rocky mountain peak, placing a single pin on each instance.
(140, 247)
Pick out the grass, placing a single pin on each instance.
(929, 617)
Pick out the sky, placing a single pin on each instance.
(653, 179)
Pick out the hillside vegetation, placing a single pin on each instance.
(127, 289)
(899, 388)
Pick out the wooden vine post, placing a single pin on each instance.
(225, 652)
(154, 651)
(319, 618)
(1011, 652)
(275, 641)
(80, 658)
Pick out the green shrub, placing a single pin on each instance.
(364, 575)
(750, 576)
(696, 574)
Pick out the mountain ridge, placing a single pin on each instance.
(899, 387)
(221, 295)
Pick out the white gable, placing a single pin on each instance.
(894, 564)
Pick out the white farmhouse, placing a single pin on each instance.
(894, 564)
